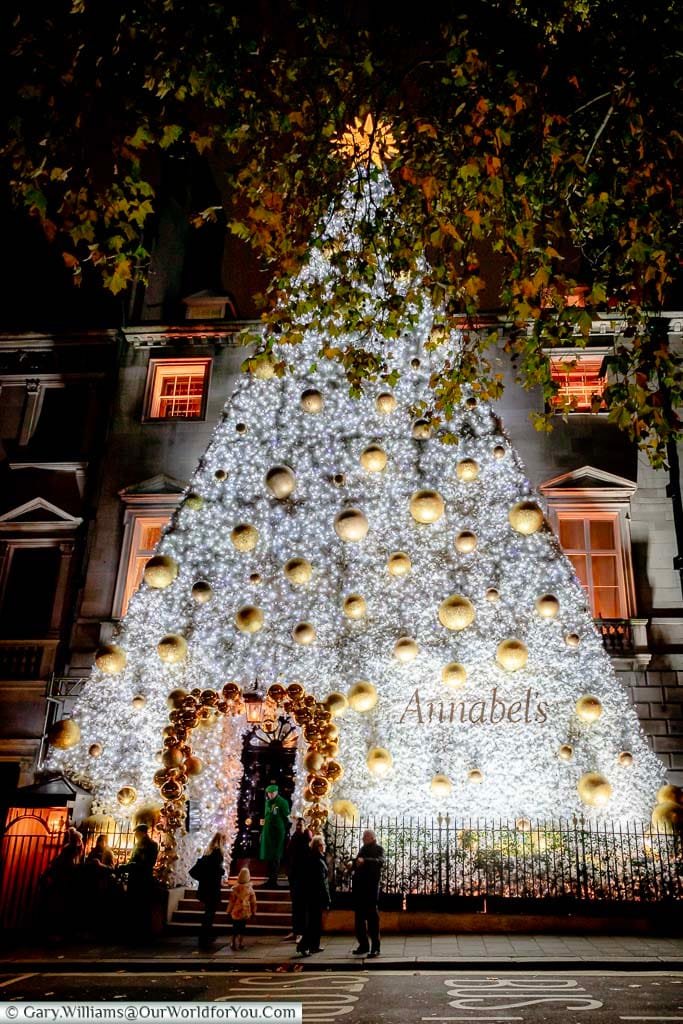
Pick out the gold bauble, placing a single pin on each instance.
(298, 571)
(385, 403)
(475, 775)
(426, 506)
(668, 817)
(399, 564)
(625, 758)
(588, 708)
(525, 517)
(492, 595)
(572, 639)
(406, 650)
(264, 369)
(111, 659)
(64, 734)
(456, 612)
(255, 579)
(345, 809)
(354, 606)
(373, 458)
(220, 475)
(319, 787)
(194, 766)
(304, 634)
(202, 592)
(467, 470)
(249, 619)
(333, 771)
(175, 698)
(241, 428)
(466, 542)
(547, 606)
(512, 654)
(351, 525)
(296, 692)
(422, 430)
(670, 794)
(336, 703)
(126, 796)
(172, 757)
(565, 752)
(415, 363)
(276, 693)
(139, 701)
(148, 815)
(313, 761)
(594, 789)
(441, 785)
(339, 479)
(454, 675)
(194, 502)
(172, 648)
(379, 762)
(311, 401)
(471, 402)
(362, 696)
(244, 537)
(280, 481)
(95, 750)
(160, 571)
(499, 451)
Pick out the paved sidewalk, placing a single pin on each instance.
(424, 951)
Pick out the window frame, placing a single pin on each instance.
(155, 367)
(577, 355)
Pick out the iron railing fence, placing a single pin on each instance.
(476, 857)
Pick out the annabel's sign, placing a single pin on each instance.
(489, 710)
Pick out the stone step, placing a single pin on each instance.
(192, 928)
(264, 906)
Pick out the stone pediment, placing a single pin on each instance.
(160, 490)
(587, 481)
(38, 513)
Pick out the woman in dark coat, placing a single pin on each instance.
(317, 898)
(209, 889)
(298, 857)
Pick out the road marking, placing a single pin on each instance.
(513, 993)
(473, 1018)
(323, 996)
(651, 1018)
(19, 977)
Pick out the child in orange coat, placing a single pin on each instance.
(241, 906)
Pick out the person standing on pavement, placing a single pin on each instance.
(274, 832)
(209, 889)
(298, 858)
(365, 882)
(317, 897)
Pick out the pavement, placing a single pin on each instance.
(407, 952)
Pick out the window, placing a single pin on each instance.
(145, 536)
(593, 546)
(579, 380)
(177, 389)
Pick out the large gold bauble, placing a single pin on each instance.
(492, 595)
(499, 451)
(454, 675)
(96, 750)
(312, 401)
(345, 809)
(244, 537)
(194, 766)
(171, 790)
(160, 571)
(426, 506)
(202, 592)
(296, 692)
(594, 789)
(547, 606)
(475, 775)
(441, 785)
(565, 752)
(670, 794)
(467, 470)
(525, 517)
(172, 648)
(572, 639)
(456, 612)
(385, 403)
(304, 634)
(351, 525)
(111, 659)
(399, 564)
(406, 650)
(319, 787)
(264, 369)
(139, 701)
(249, 619)
(276, 692)
(280, 481)
(172, 757)
(668, 817)
(422, 430)
(313, 761)
(147, 814)
(625, 758)
(512, 654)
(373, 458)
(336, 703)
(379, 762)
(298, 571)
(194, 502)
(588, 708)
(64, 734)
(175, 698)
(466, 542)
(126, 796)
(362, 696)
(354, 606)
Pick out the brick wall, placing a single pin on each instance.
(658, 699)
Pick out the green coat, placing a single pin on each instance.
(275, 827)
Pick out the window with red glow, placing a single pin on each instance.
(177, 389)
(593, 545)
(579, 381)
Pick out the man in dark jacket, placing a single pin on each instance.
(367, 869)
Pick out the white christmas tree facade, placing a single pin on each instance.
(340, 544)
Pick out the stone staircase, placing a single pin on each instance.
(273, 912)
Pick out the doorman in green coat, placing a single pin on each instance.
(274, 832)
